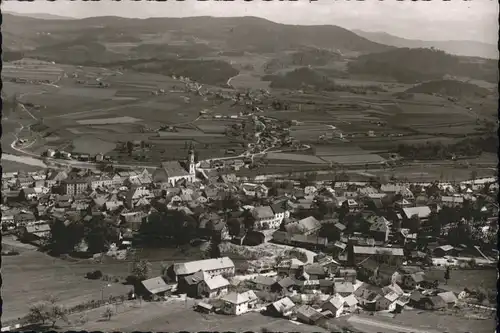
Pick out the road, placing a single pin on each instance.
(369, 325)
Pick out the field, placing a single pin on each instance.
(179, 316)
(33, 276)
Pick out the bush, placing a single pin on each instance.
(94, 275)
(108, 313)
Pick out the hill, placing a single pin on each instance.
(307, 57)
(40, 16)
(457, 47)
(450, 88)
(299, 79)
(417, 65)
(234, 33)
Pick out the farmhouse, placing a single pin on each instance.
(213, 267)
(280, 308)
(237, 304)
(173, 171)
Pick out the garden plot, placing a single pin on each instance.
(283, 157)
(354, 159)
(105, 121)
(91, 145)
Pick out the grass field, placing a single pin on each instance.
(91, 145)
(33, 276)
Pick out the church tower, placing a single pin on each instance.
(191, 161)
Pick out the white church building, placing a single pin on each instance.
(172, 171)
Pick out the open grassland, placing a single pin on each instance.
(284, 157)
(33, 276)
(179, 316)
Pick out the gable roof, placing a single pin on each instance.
(395, 251)
(283, 305)
(264, 280)
(204, 265)
(174, 169)
(155, 285)
(421, 212)
(237, 298)
(350, 300)
(337, 301)
(216, 282)
(310, 223)
(262, 212)
(448, 297)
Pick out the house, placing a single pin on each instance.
(344, 288)
(347, 274)
(309, 315)
(422, 212)
(448, 297)
(289, 267)
(285, 284)
(239, 303)
(452, 201)
(308, 285)
(263, 283)
(204, 307)
(309, 225)
(386, 302)
(380, 229)
(357, 254)
(213, 286)
(335, 305)
(24, 218)
(280, 210)
(327, 286)
(74, 186)
(443, 250)
(432, 303)
(173, 171)
(392, 288)
(153, 287)
(412, 281)
(265, 218)
(218, 266)
(100, 182)
(350, 303)
(254, 190)
(314, 271)
(280, 308)
(397, 189)
(30, 193)
(39, 230)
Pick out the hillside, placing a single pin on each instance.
(417, 65)
(457, 47)
(41, 16)
(235, 34)
(307, 57)
(213, 72)
(301, 78)
(450, 88)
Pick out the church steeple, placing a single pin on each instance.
(191, 161)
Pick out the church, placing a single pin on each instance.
(172, 171)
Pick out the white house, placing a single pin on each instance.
(213, 286)
(238, 304)
(335, 305)
(265, 218)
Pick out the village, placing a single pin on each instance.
(308, 251)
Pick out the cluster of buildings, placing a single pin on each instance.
(368, 254)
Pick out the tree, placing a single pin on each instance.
(414, 223)
(38, 312)
(130, 147)
(99, 234)
(108, 313)
(141, 269)
(57, 312)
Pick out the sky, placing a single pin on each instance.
(427, 20)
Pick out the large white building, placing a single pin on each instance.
(172, 171)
